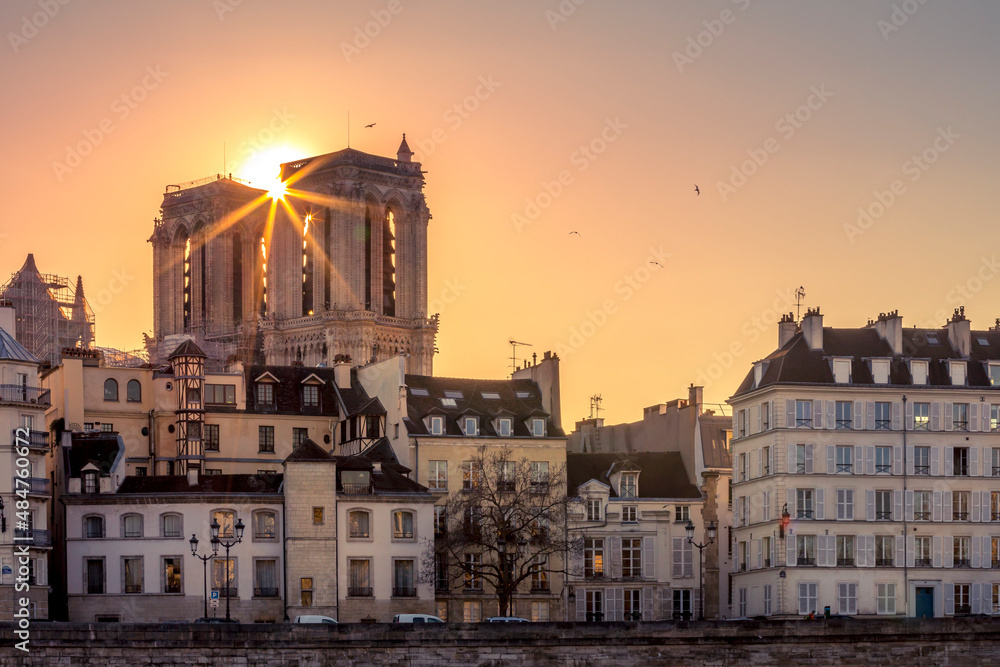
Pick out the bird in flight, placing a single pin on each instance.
(371, 125)
(577, 233)
(696, 190)
(653, 261)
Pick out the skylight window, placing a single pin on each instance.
(449, 402)
(932, 339)
(453, 394)
(491, 395)
(418, 391)
(523, 394)
(984, 342)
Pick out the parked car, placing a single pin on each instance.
(315, 619)
(216, 619)
(507, 619)
(416, 618)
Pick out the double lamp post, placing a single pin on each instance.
(689, 529)
(216, 543)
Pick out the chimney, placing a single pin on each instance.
(695, 397)
(959, 332)
(786, 329)
(892, 330)
(342, 371)
(812, 328)
(192, 477)
(377, 467)
(7, 319)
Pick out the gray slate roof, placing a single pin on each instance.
(11, 350)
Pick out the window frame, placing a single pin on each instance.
(86, 532)
(398, 517)
(111, 390)
(124, 530)
(129, 397)
(259, 536)
(358, 534)
(163, 525)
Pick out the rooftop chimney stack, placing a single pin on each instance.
(960, 332)
(695, 397)
(342, 371)
(7, 319)
(786, 329)
(812, 328)
(192, 475)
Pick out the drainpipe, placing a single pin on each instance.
(284, 545)
(906, 571)
(152, 441)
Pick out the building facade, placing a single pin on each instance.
(866, 464)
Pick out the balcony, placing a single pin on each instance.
(921, 516)
(995, 564)
(922, 470)
(403, 592)
(959, 516)
(922, 562)
(359, 592)
(357, 488)
(845, 562)
(963, 609)
(883, 515)
(133, 588)
(767, 562)
(807, 562)
(962, 562)
(593, 574)
(540, 587)
(540, 487)
(35, 486)
(230, 592)
(883, 562)
(16, 393)
(33, 537)
(804, 514)
(259, 592)
(36, 439)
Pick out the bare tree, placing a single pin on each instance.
(505, 526)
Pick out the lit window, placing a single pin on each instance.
(358, 524)
(921, 416)
(402, 525)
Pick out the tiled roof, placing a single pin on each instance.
(714, 448)
(11, 350)
(222, 484)
(187, 349)
(288, 392)
(518, 399)
(662, 474)
(392, 477)
(309, 451)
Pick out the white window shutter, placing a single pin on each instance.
(615, 556)
(910, 467)
(647, 604)
(869, 460)
(756, 411)
(870, 504)
(976, 551)
(936, 506)
(831, 459)
(946, 506)
(790, 551)
(900, 541)
(859, 416)
(817, 414)
(831, 418)
(859, 460)
(831, 550)
(987, 507)
(809, 458)
(909, 416)
(677, 564)
(791, 448)
(985, 417)
(911, 548)
(870, 415)
(973, 416)
(974, 501)
(949, 552)
(949, 599)
(949, 417)
(581, 605)
(819, 504)
(869, 550)
(861, 544)
(736, 512)
(789, 413)
(790, 499)
(897, 460)
(935, 416)
(908, 500)
(42, 574)
(736, 424)
(648, 556)
(897, 505)
(936, 543)
(977, 598)
(987, 462)
(935, 461)
(974, 461)
(821, 551)
(760, 463)
(949, 461)
(759, 550)
(895, 416)
(610, 612)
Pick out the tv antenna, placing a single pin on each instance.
(513, 353)
(595, 407)
(800, 294)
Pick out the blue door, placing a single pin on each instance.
(925, 603)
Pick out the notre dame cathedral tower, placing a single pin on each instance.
(335, 266)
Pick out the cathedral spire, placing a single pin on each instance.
(403, 153)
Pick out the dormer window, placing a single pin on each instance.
(470, 426)
(994, 371)
(758, 373)
(310, 396)
(538, 428)
(265, 393)
(880, 371)
(629, 486)
(593, 509)
(957, 371)
(437, 425)
(842, 371)
(918, 371)
(503, 427)
(90, 481)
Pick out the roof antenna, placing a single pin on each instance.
(513, 354)
(348, 129)
(800, 294)
(595, 407)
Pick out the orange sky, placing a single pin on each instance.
(599, 121)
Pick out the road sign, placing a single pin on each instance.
(215, 597)
(214, 603)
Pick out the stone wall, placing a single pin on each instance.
(947, 642)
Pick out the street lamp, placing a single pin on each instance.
(204, 564)
(508, 561)
(226, 544)
(689, 529)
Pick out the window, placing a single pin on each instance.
(961, 551)
(765, 548)
(360, 584)
(306, 591)
(540, 576)
(94, 568)
(629, 485)
(765, 460)
(593, 558)
(683, 558)
(132, 574)
(632, 557)
(472, 522)
(403, 581)
(845, 458)
(402, 525)
(765, 416)
(847, 595)
(681, 608)
(883, 416)
(629, 514)
(539, 471)
(172, 525)
(803, 459)
(540, 611)
(437, 425)
(419, 391)
(741, 423)
(804, 503)
(220, 394)
(918, 371)
(884, 545)
(845, 415)
(842, 371)
(110, 390)
(472, 611)
(995, 461)
(503, 427)
(538, 428)
(107, 427)
(472, 473)
(960, 413)
(767, 599)
(226, 520)
(264, 526)
(960, 459)
(883, 460)
(995, 506)
(994, 417)
(208, 471)
(922, 551)
(807, 598)
(922, 460)
(310, 396)
(441, 582)
(957, 370)
(960, 501)
(508, 470)
(921, 505)
(437, 475)
(133, 391)
(172, 574)
(265, 394)
(996, 598)
(921, 416)
(594, 509)
(265, 439)
(803, 414)
(962, 603)
(211, 437)
(132, 525)
(995, 552)
(742, 469)
(845, 504)
(805, 549)
(265, 576)
(883, 505)
(595, 605)
(471, 426)
(845, 551)
(880, 371)
(317, 516)
(743, 556)
(93, 527)
(473, 579)
(682, 513)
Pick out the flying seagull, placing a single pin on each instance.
(696, 190)
(371, 125)
(653, 261)
(577, 233)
